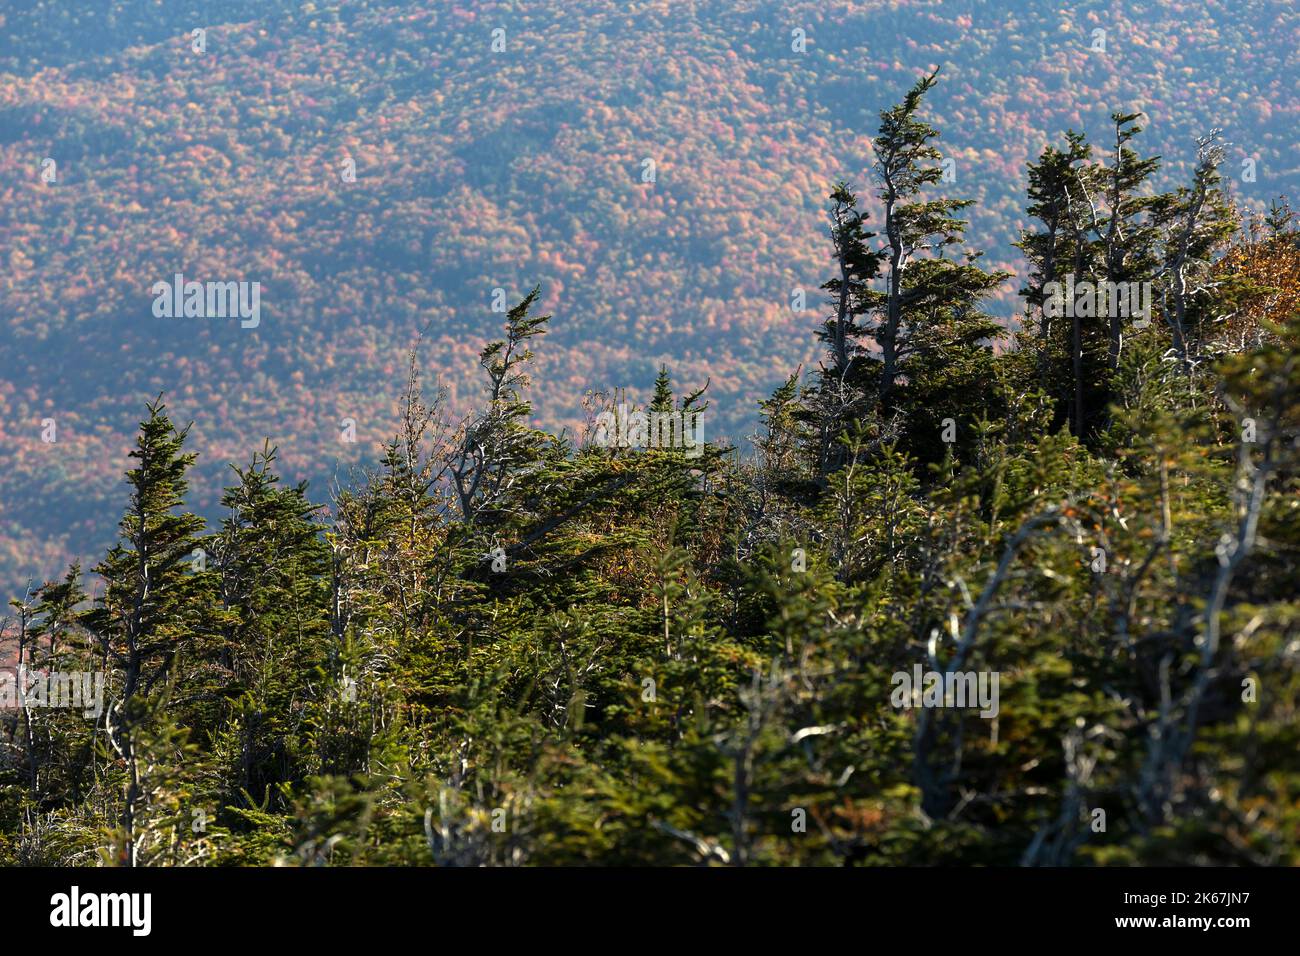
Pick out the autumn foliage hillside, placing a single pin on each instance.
(478, 170)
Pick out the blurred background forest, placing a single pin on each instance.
(478, 169)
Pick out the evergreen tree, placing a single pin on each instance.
(1197, 223)
(156, 601)
(925, 292)
(271, 567)
(1063, 349)
(663, 398)
(1126, 236)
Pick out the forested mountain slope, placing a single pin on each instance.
(978, 596)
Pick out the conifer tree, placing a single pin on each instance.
(156, 600)
(926, 317)
(55, 641)
(1126, 236)
(845, 389)
(1057, 198)
(496, 444)
(925, 292)
(271, 568)
(663, 397)
(1197, 222)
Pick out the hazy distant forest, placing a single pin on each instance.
(499, 644)
(479, 169)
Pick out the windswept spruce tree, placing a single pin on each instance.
(501, 647)
(930, 354)
(155, 611)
